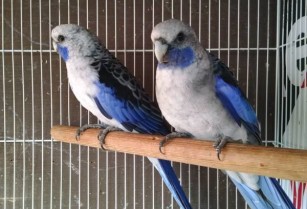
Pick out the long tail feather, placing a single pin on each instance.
(170, 179)
(270, 195)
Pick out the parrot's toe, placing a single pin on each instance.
(103, 134)
(88, 126)
(172, 136)
(220, 143)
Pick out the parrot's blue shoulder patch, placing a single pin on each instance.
(236, 103)
(63, 51)
(181, 58)
(233, 99)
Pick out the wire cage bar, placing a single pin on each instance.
(290, 100)
(38, 172)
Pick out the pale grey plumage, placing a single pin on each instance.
(187, 98)
(198, 95)
(105, 87)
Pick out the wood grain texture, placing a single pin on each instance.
(275, 162)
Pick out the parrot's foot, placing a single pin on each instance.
(172, 136)
(88, 126)
(221, 142)
(103, 134)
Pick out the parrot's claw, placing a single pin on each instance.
(103, 134)
(172, 136)
(221, 142)
(88, 126)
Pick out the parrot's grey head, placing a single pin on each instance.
(174, 42)
(73, 41)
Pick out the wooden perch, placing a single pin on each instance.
(269, 161)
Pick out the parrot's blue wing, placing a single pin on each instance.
(233, 99)
(270, 196)
(121, 98)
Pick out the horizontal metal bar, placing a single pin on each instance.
(136, 50)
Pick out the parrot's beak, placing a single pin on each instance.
(55, 45)
(161, 51)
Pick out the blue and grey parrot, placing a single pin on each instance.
(105, 87)
(198, 95)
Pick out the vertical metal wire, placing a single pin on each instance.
(283, 89)
(296, 131)
(134, 71)
(189, 166)
(4, 108)
(301, 92)
(209, 48)
(125, 63)
(257, 54)
(238, 62)
(248, 48)
(162, 188)
(88, 121)
(51, 105)
(98, 150)
(289, 88)
(172, 9)
(219, 55)
(14, 101)
(107, 153)
(162, 10)
(228, 62)
(42, 104)
(153, 93)
(238, 40)
(143, 81)
(115, 153)
(209, 27)
(69, 121)
(267, 76)
(180, 9)
(180, 164)
(198, 167)
(61, 120)
(23, 107)
(294, 104)
(277, 78)
(32, 108)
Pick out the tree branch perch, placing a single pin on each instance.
(269, 161)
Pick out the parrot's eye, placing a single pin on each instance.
(180, 37)
(61, 38)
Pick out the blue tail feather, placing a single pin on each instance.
(270, 195)
(170, 179)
